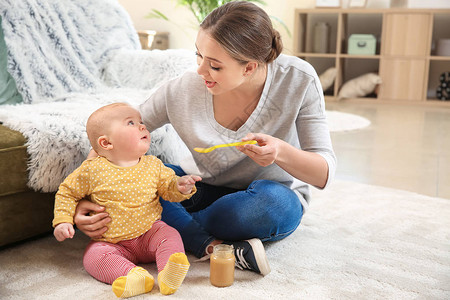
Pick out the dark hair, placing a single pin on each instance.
(245, 31)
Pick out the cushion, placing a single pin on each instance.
(8, 89)
(359, 86)
(327, 78)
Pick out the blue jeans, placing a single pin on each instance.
(267, 210)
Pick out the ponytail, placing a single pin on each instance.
(277, 47)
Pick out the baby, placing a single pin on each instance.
(128, 184)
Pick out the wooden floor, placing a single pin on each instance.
(406, 147)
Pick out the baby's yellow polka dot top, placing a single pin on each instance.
(129, 194)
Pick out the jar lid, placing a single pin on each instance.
(223, 247)
(223, 250)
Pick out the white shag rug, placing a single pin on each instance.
(341, 121)
(356, 242)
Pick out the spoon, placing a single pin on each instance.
(206, 150)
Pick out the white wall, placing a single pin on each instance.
(183, 29)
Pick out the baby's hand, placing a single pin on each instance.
(63, 231)
(186, 183)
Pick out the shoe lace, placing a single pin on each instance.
(241, 263)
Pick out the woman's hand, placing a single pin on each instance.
(306, 166)
(92, 226)
(265, 153)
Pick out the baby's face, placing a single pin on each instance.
(128, 135)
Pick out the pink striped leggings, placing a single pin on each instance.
(107, 262)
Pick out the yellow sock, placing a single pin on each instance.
(138, 281)
(171, 277)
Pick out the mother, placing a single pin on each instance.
(244, 89)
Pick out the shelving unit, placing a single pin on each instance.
(404, 57)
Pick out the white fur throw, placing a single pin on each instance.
(69, 58)
(60, 46)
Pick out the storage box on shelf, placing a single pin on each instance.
(362, 44)
(406, 49)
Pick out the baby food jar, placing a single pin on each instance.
(222, 265)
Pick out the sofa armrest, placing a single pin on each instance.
(143, 69)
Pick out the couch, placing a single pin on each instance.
(24, 213)
(61, 60)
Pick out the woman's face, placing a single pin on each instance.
(220, 71)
